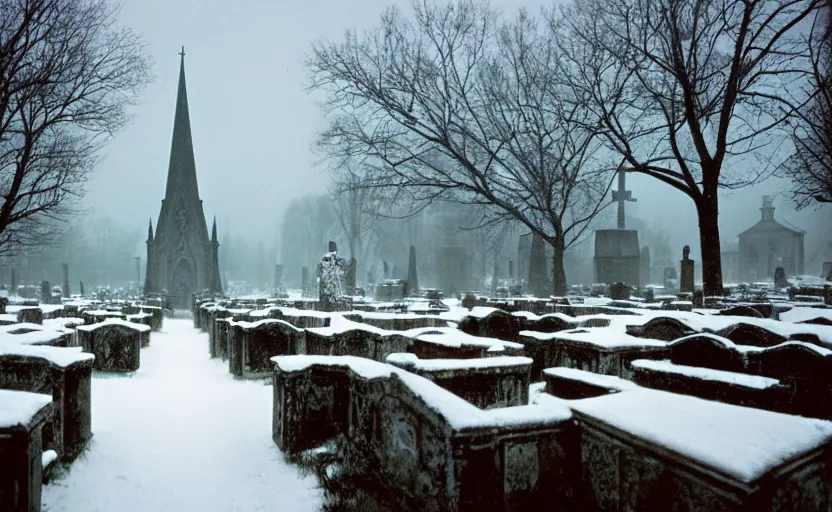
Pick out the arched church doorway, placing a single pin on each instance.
(183, 285)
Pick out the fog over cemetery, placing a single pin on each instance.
(436, 255)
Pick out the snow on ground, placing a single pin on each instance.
(181, 434)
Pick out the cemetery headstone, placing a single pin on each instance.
(386, 274)
(780, 281)
(619, 291)
(698, 299)
(649, 295)
(617, 256)
(45, 293)
(81, 287)
(333, 247)
(468, 301)
(686, 280)
(13, 290)
(412, 273)
(538, 275)
(65, 268)
(349, 277)
(304, 281)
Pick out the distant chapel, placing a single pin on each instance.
(181, 259)
(769, 244)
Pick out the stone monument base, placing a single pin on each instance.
(617, 256)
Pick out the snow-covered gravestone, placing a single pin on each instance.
(330, 280)
(22, 418)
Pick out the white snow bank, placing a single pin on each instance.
(428, 365)
(104, 312)
(265, 321)
(24, 326)
(181, 434)
(596, 379)
(306, 312)
(798, 314)
(603, 337)
(366, 368)
(63, 323)
(740, 442)
(114, 321)
(380, 315)
(451, 337)
(737, 379)
(719, 340)
(32, 338)
(482, 311)
(60, 356)
(19, 407)
(47, 458)
(338, 324)
(823, 351)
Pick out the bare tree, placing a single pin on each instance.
(810, 167)
(356, 207)
(308, 225)
(695, 93)
(451, 104)
(67, 75)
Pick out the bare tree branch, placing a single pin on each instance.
(67, 76)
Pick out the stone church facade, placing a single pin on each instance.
(181, 258)
(769, 244)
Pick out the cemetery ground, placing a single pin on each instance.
(266, 403)
(180, 434)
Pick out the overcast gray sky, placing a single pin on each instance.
(253, 122)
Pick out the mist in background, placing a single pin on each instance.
(253, 124)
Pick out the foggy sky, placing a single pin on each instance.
(253, 122)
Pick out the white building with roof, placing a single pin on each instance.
(768, 244)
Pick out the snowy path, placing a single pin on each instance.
(180, 435)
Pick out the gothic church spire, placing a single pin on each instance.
(182, 167)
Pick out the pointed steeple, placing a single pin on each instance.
(182, 167)
(768, 208)
(150, 230)
(214, 230)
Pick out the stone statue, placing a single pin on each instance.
(330, 281)
(686, 253)
(780, 280)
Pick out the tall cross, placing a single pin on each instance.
(622, 195)
(182, 53)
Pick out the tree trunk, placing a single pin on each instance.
(558, 272)
(708, 211)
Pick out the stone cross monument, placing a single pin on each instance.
(622, 195)
(617, 252)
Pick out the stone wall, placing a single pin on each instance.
(116, 345)
(488, 383)
(430, 448)
(21, 449)
(803, 373)
(254, 344)
(68, 429)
